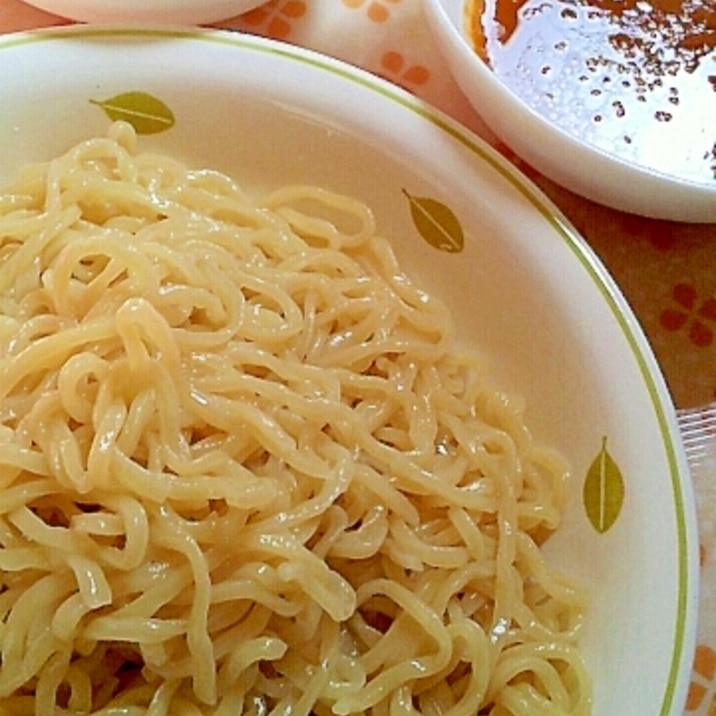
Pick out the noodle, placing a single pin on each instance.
(244, 468)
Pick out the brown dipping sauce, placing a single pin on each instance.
(636, 78)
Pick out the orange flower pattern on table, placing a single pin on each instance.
(697, 316)
(703, 681)
(395, 68)
(376, 10)
(276, 17)
(662, 235)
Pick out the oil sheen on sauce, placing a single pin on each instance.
(636, 78)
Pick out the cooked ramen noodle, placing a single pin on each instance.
(246, 470)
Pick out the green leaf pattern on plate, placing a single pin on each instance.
(436, 223)
(603, 492)
(146, 113)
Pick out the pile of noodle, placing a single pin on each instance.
(244, 469)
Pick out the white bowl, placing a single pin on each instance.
(605, 177)
(526, 291)
(176, 12)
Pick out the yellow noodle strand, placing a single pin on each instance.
(245, 469)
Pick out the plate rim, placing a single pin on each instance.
(187, 12)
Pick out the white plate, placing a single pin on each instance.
(604, 177)
(182, 12)
(526, 289)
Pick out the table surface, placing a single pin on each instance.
(666, 270)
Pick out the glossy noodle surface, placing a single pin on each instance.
(245, 469)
